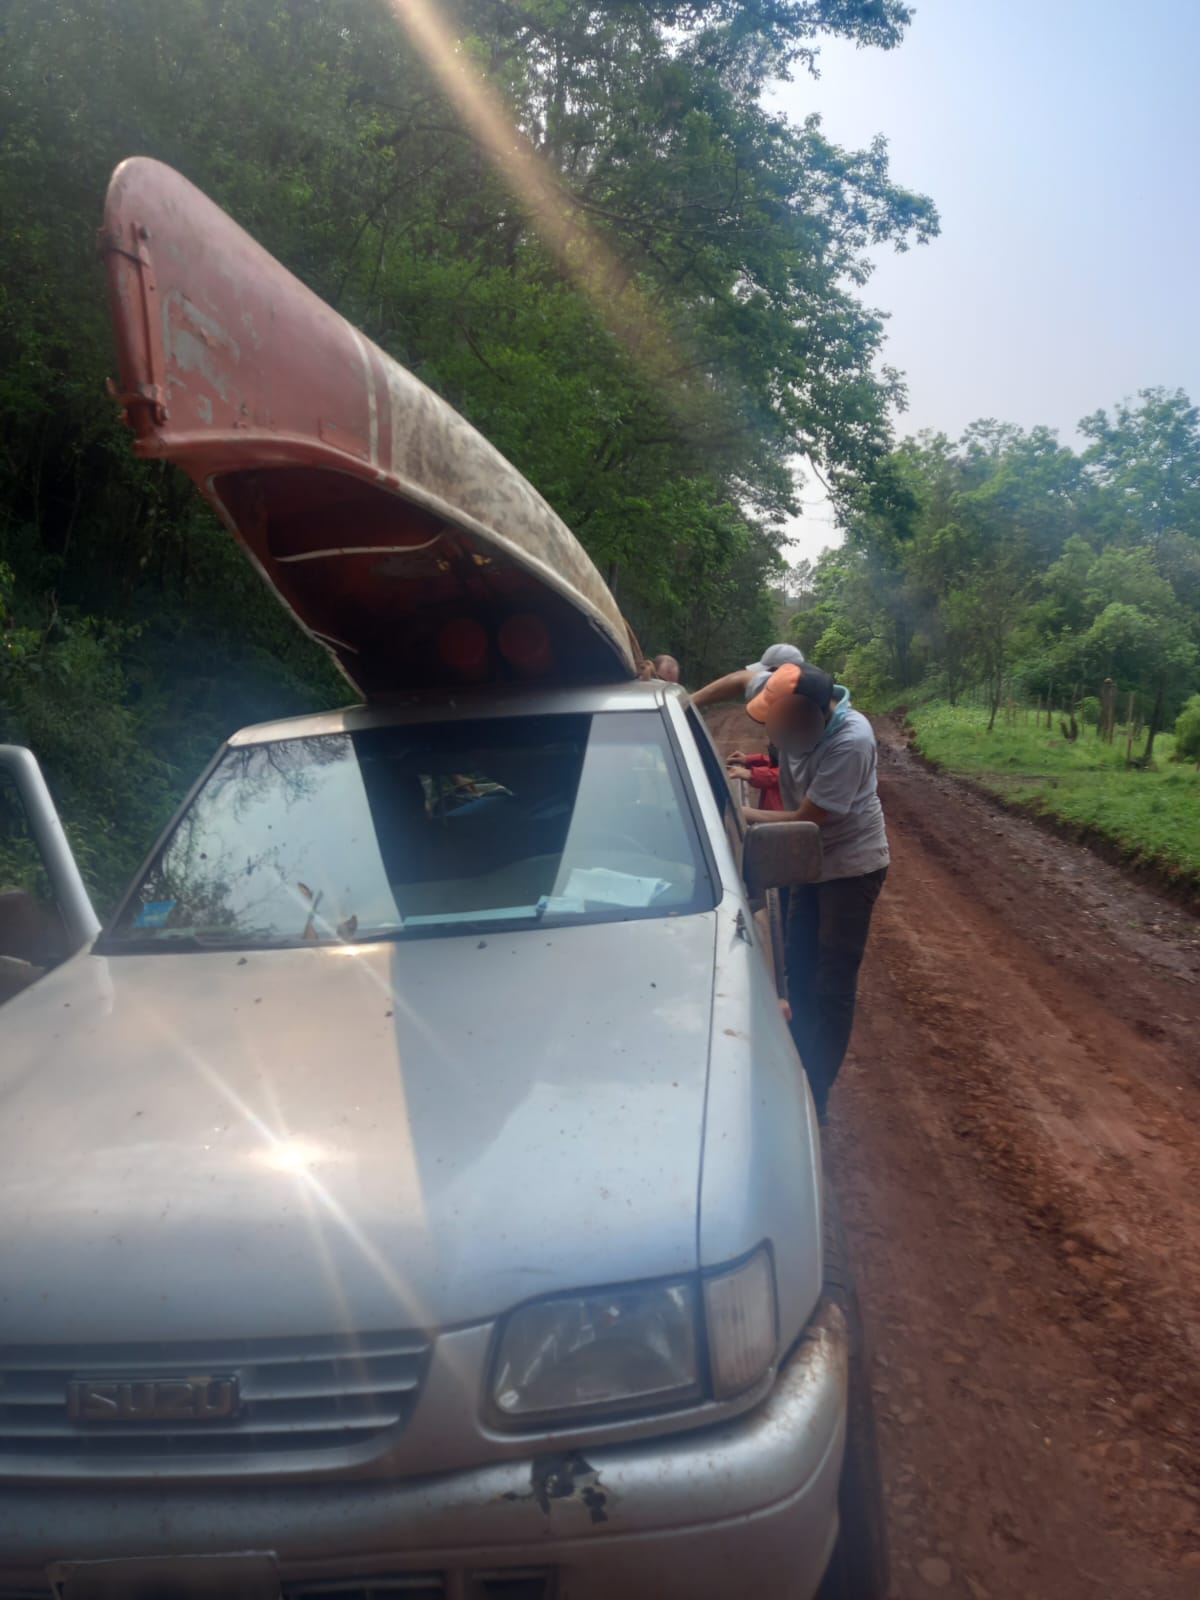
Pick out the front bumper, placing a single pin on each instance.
(749, 1507)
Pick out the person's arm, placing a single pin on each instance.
(731, 687)
(763, 777)
(839, 780)
(806, 812)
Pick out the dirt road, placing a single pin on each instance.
(1016, 1139)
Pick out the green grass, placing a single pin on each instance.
(1152, 816)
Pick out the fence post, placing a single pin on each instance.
(1108, 709)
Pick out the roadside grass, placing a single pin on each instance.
(1152, 817)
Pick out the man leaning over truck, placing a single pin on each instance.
(827, 775)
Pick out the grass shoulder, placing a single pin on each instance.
(1152, 817)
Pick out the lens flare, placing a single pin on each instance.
(606, 281)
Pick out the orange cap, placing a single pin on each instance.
(778, 687)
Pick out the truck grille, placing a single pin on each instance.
(302, 1395)
(514, 1584)
(502, 1584)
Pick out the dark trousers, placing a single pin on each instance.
(827, 927)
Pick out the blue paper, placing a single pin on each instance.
(154, 914)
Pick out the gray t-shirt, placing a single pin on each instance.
(839, 776)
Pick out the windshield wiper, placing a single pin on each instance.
(190, 943)
(114, 944)
(515, 917)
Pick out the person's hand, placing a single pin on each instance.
(757, 814)
(740, 772)
(738, 755)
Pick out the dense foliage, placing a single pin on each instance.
(1010, 561)
(645, 292)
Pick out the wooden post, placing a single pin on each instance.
(1155, 724)
(1108, 709)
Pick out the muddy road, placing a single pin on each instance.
(1016, 1141)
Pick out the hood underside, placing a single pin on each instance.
(395, 534)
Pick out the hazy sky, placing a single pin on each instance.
(1059, 140)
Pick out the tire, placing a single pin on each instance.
(858, 1568)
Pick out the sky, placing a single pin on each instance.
(1058, 139)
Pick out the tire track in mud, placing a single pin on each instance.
(1015, 1140)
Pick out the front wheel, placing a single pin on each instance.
(858, 1568)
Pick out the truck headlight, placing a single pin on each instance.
(739, 1309)
(614, 1349)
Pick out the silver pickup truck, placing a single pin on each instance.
(413, 1188)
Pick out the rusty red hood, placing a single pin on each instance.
(395, 533)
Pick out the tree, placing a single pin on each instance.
(1143, 466)
(1119, 619)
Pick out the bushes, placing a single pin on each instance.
(1088, 711)
(123, 716)
(65, 695)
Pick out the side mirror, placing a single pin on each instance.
(781, 855)
(79, 921)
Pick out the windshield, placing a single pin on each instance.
(412, 831)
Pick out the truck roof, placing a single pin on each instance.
(509, 700)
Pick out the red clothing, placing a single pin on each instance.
(765, 778)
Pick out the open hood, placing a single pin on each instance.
(395, 533)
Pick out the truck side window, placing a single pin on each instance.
(714, 768)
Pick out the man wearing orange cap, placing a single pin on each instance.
(827, 775)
